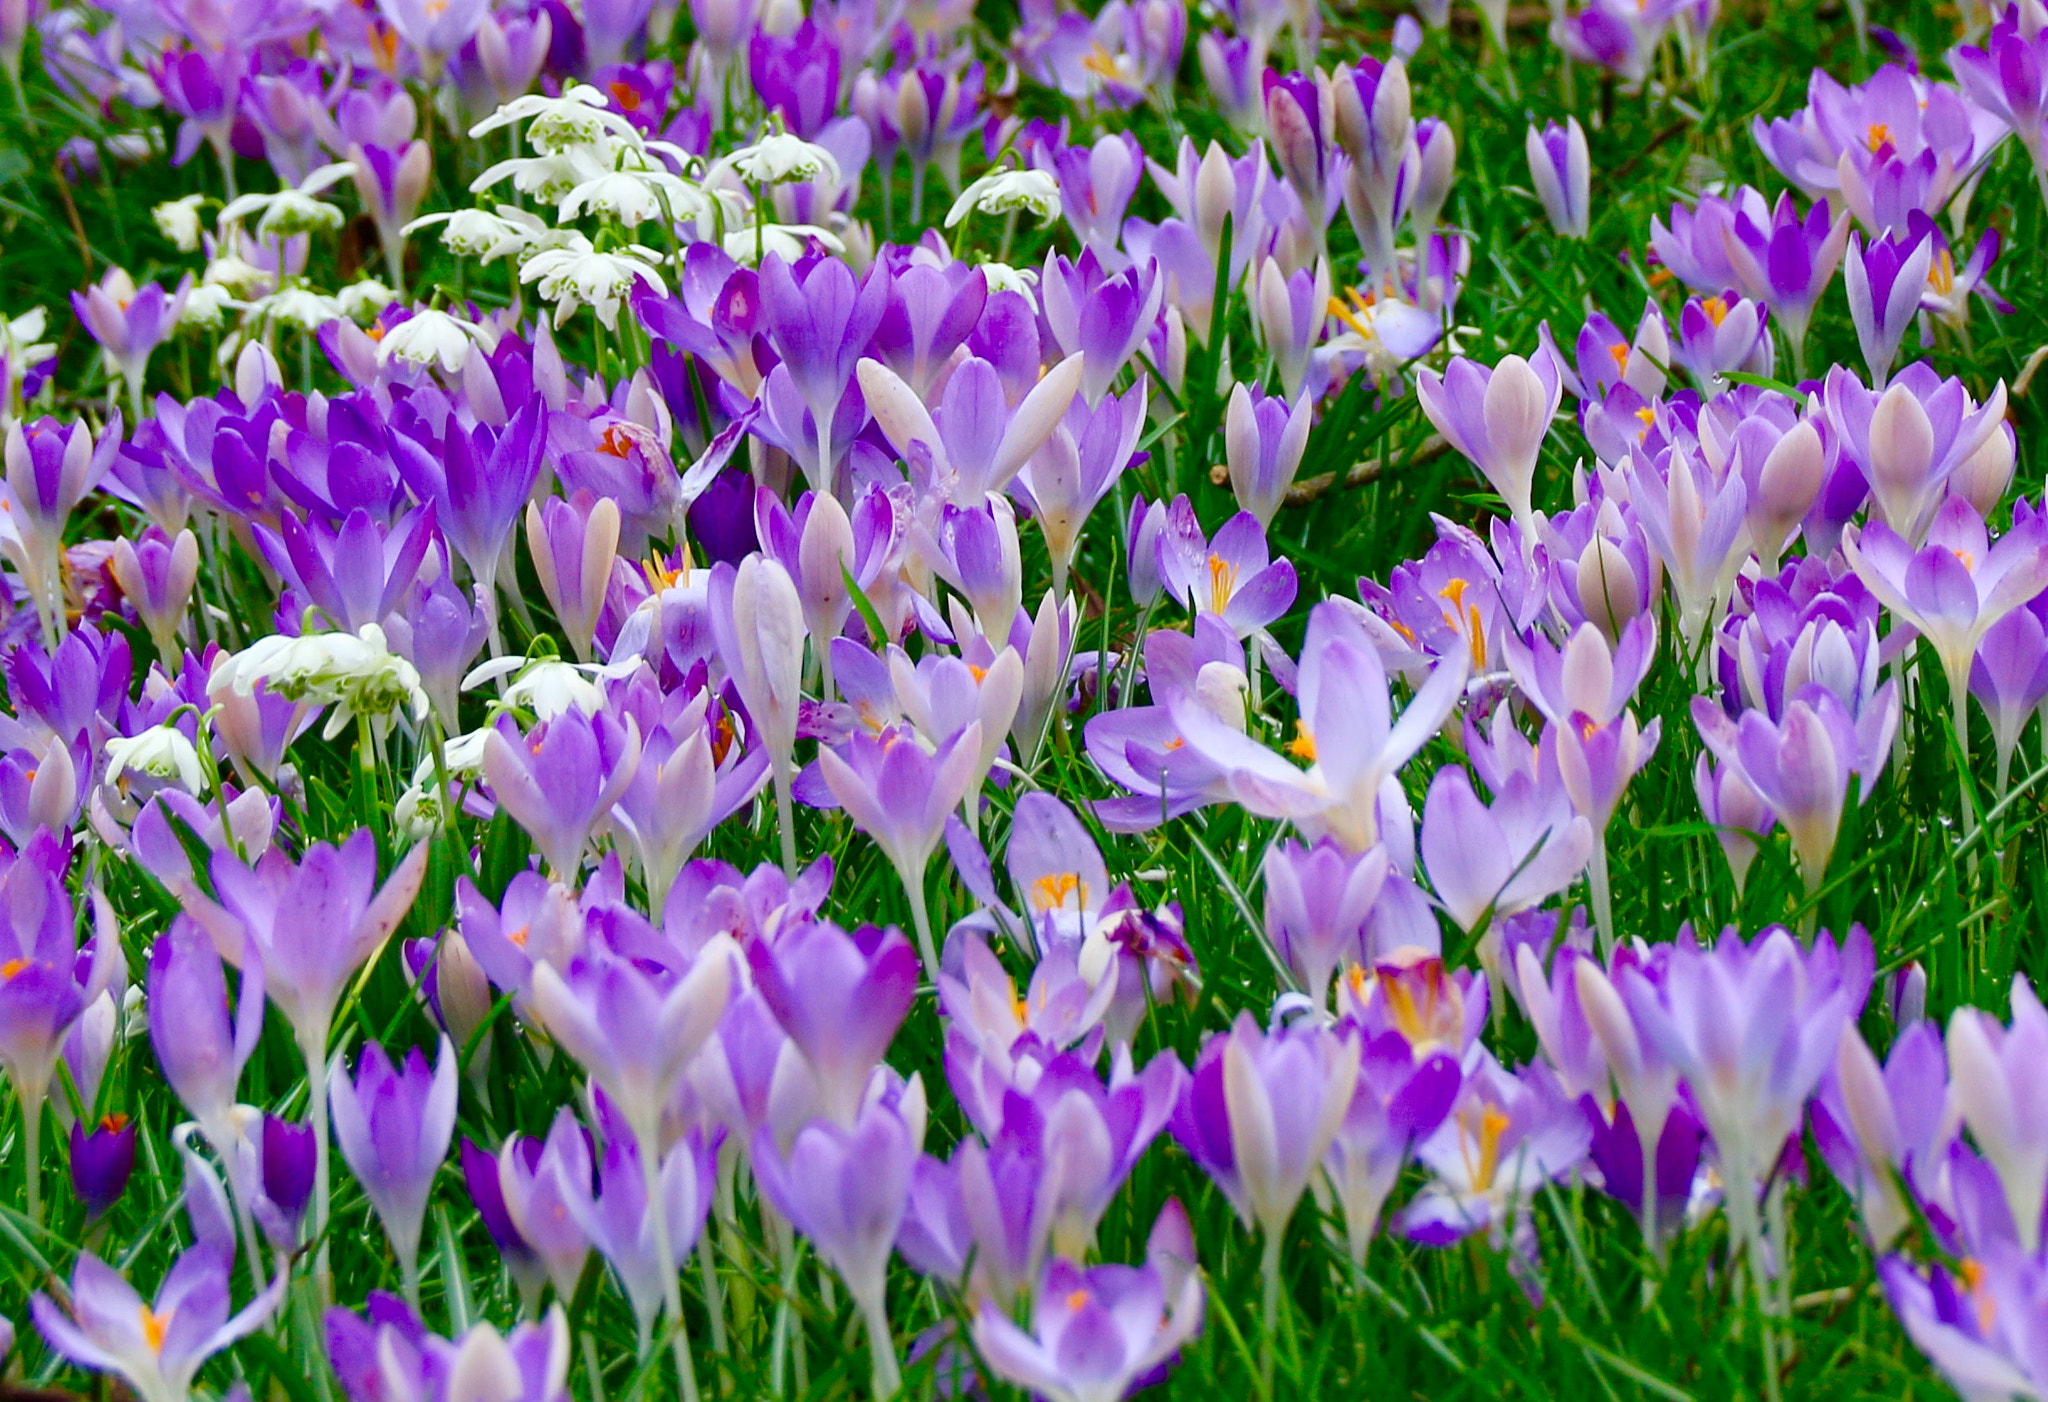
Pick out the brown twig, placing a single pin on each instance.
(1309, 488)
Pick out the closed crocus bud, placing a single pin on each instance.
(1289, 313)
(1263, 443)
(1562, 171)
(288, 1163)
(1141, 550)
(1981, 478)
(1610, 592)
(1216, 197)
(156, 575)
(1437, 149)
(1737, 812)
(1884, 280)
(101, 1162)
(825, 554)
(1905, 994)
(1786, 485)
(1498, 419)
(449, 978)
(573, 548)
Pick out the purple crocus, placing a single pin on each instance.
(560, 779)
(158, 1347)
(1488, 862)
(356, 574)
(1786, 260)
(51, 468)
(101, 1161)
(1233, 576)
(620, 1224)
(1263, 442)
(46, 982)
(819, 320)
(1259, 1112)
(1911, 437)
(1101, 315)
(1993, 1087)
(797, 75)
(1301, 118)
(840, 997)
(540, 1183)
(1799, 764)
(1096, 1333)
(846, 1187)
(1885, 281)
(1886, 1128)
(200, 1047)
(573, 544)
(1400, 1100)
(394, 1125)
(900, 794)
(156, 574)
(1980, 1326)
(1497, 418)
(1318, 902)
(2009, 678)
(1561, 171)
(130, 323)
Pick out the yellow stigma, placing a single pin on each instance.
(154, 1326)
(11, 968)
(1464, 618)
(1941, 273)
(1102, 63)
(1303, 745)
(1353, 313)
(1493, 1123)
(1050, 892)
(1716, 309)
(1076, 1300)
(1878, 137)
(1619, 350)
(1222, 583)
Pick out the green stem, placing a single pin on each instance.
(913, 886)
(785, 816)
(32, 1098)
(888, 1377)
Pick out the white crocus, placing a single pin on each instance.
(571, 279)
(356, 673)
(430, 337)
(1007, 191)
(293, 210)
(178, 221)
(579, 116)
(161, 752)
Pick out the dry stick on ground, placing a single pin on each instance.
(1309, 488)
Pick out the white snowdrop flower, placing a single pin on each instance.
(356, 673)
(571, 278)
(430, 337)
(303, 307)
(1004, 191)
(205, 305)
(364, 299)
(548, 688)
(1004, 278)
(635, 195)
(788, 241)
(578, 116)
(294, 210)
(480, 233)
(22, 347)
(780, 156)
(160, 752)
(235, 274)
(551, 176)
(179, 221)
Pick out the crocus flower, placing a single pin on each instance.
(1738, 813)
(1498, 418)
(1263, 444)
(840, 997)
(1095, 1332)
(1260, 1111)
(2009, 678)
(391, 1354)
(1232, 576)
(130, 324)
(820, 325)
(1886, 1128)
(1076, 467)
(620, 1224)
(199, 1046)
(1979, 1327)
(1958, 586)
(1318, 902)
(1100, 315)
(101, 1162)
(1992, 1085)
(573, 546)
(1885, 281)
(1486, 863)
(1911, 438)
(561, 778)
(1561, 170)
(50, 470)
(394, 1124)
(157, 1347)
(540, 1184)
(156, 574)
(846, 1187)
(1400, 1100)
(900, 795)
(760, 624)
(1799, 765)
(1786, 260)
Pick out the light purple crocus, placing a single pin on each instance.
(840, 997)
(130, 323)
(573, 546)
(1400, 1100)
(356, 574)
(619, 1222)
(1318, 902)
(1798, 764)
(199, 1046)
(1101, 315)
(1980, 1326)
(758, 619)
(1955, 588)
(1233, 576)
(1096, 1333)
(1993, 1085)
(1489, 862)
(1259, 1113)
(1263, 442)
(2009, 678)
(1497, 417)
(1076, 467)
(394, 1125)
(1561, 170)
(1786, 260)
(846, 1187)
(51, 468)
(1722, 333)
(1911, 437)
(560, 779)
(156, 574)
(1885, 280)
(900, 794)
(1737, 812)
(540, 1184)
(1885, 1128)
(820, 325)
(157, 1347)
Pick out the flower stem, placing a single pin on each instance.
(314, 1049)
(888, 1377)
(913, 886)
(1269, 1272)
(785, 816)
(1603, 896)
(671, 1286)
(32, 1098)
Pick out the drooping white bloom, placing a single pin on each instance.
(1004, 278)
(482, 234)
(205, 304)
(303, 307)
(635, 194)
(1006, 191)
(579, 116)
(572, 278)
(363, 299)
(178, 221)
(780, 156)
(787, 241)
(356, 673)
(552, 175)
(430, 337)
(161, 752)
(548, 688)
(293, 210)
